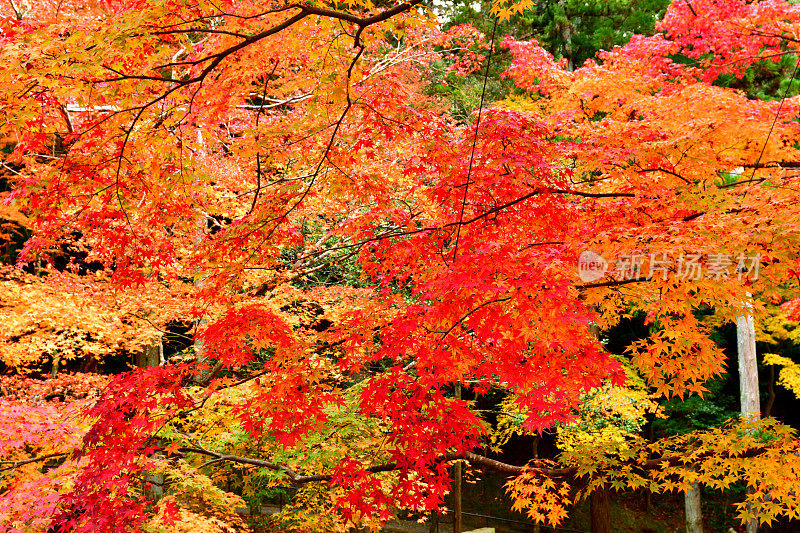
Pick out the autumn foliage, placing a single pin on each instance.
(216, 158)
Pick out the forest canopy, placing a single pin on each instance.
(285, 195)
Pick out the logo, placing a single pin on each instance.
(591, 266)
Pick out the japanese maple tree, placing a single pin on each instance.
(242, 147)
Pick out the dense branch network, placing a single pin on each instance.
(481, 461)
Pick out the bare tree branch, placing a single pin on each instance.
(476, 460)
(11, 465)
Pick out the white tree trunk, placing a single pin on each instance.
(694, 513)
(748, 369)
(748, 376)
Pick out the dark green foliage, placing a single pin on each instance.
(577, 29)
(572, 29)
(337, 265)
(766, 79)
(693, 413)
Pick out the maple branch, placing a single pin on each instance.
(157, 327)
(473, 458)
(215, 59)
(10, 169)
(467, 315)
(274, 102)
(774, 164)
(742, 182)
(202, 380)
(305, 11)
(317, 170)
(664, 170)
(395, 234)
(765, 56)
(267, 286)
(258, 154)
(474, 143)
(221, 13)
(593, 194)
(294, 476)
(18, 13)
(774, 122)
(11, 465)
(538, 191)
(611, 283)
(387, 119)
(300, 478)
(783, 36)
(477, 460)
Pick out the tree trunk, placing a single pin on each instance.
(599, 504)
(535, 449)
(154, 487)
(434, 527)
(694, 513)
(651, 437)
(748, 376)
(566, 35)
(748, 369)
(599, 500)
(206, 372)
(152, 355)
(457, 525)
(770, 392)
